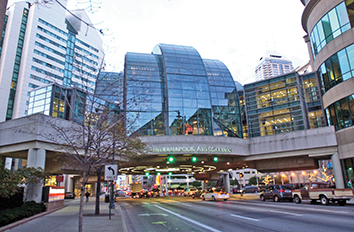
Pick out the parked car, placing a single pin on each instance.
(318, 191)
(236, 189)
(189, 192)
(198, 193)
(251, 189)
(120, 193)
(69, 195)
(277, 193)
(215, 194)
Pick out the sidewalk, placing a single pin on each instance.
(67, 219)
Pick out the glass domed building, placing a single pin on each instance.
(173, 91)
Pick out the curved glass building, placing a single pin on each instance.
(173, 91)
(330, 35)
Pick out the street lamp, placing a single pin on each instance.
(291, 177)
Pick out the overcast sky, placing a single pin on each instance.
(236, 32)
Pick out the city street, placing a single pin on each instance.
(186, 214)
(181, 213)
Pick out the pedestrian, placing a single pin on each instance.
(350, 185)
(87, 194)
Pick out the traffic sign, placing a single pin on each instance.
(111, 172)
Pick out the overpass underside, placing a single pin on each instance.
(289, 151)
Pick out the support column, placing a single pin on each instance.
(204, 185)
(35, 158)
(337, 170)
(226, 178)
(187, 181)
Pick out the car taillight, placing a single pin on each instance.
(282, 190)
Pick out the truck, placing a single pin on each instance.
(136, 189)
(319, 191)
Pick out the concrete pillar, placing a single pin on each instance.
(337, 170)
(187, 181)
(35, 158)
(226, 178)
(204, 185)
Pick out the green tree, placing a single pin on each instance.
(11, 181)
(233, 182)
(253, 180)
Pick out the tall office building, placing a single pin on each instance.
(3, 4)
(43, 45)
(329, 25)
(173, 91)
(271, 65)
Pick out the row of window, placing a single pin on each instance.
(51, 41)
(16, 69)
(84, 72)
(66, 34)
(40, 79)
(330, 26)
(49, 57)
(48, 65)
(341, 113)
(336, 69)
(46, 73)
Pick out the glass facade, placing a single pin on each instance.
(173, 91)
(340, 66)
(274, 106)
(334, 23)
(315, 113)
(348, 169)
(341, 113)
(224, 99)
(58, 101)
(336, 69)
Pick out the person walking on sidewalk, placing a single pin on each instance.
(87, 194)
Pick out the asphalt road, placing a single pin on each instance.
(187, 214)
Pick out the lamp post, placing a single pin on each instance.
(282, 178)
(111, 204)
(291, 177)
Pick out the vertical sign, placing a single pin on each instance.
(111, 172)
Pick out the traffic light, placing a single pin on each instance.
(215, 159)
(158, 174)
(170, 173)
(171, 159)
(194, 159)
(147, 174)
(241, 175)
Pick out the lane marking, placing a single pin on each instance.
(152, 214)
(186, 204)
(188, 219)
(238, 216)
(293, 214)
(295, 206)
